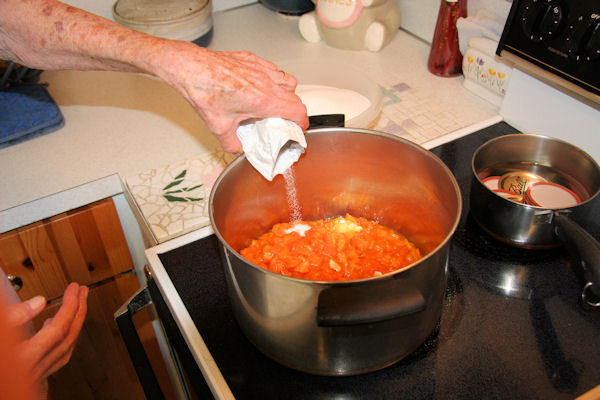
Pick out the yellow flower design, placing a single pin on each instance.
(492, 72)
(470, 59)
(501, 75)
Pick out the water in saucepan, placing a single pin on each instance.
(550, 174)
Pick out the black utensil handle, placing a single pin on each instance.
(583, 247)
(124, 319)
(326, 121)
(365, 304)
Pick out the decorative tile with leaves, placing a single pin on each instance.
(174, 199)
(180, 193)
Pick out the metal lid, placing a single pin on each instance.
(492, 182)
(550, 195)
(517, 181)
(509, 195)
(182, 19)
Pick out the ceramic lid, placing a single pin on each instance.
(149, 11)
(181, 19)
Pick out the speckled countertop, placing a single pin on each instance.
(131, 124)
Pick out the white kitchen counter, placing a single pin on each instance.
(125, 124)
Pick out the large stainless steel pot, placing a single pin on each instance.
(340, 328)
(526, 226)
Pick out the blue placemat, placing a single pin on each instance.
(27, 111)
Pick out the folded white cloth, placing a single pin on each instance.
(271, 145)
(482, 24)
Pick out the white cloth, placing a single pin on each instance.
(271, 145)
(482, 24)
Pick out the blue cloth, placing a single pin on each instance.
(27, 111)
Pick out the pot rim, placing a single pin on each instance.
(389, 275)
(536, 209)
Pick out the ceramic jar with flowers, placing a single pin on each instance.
(484, 73)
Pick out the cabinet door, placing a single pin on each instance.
(100, 367)
(91, 243)
(30, 255)
(86, 245)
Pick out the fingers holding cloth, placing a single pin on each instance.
(227, 88)
(273, 144)
(233, 91)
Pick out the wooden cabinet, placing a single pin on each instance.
(87, 246)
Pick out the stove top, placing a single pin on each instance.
(512, 324)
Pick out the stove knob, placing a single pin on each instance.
(583, 39)
(592, 48)
(541, 19)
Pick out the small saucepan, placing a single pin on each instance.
(535, 192)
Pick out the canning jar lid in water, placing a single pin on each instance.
(531, 189)
(517, 182)
(550, 195)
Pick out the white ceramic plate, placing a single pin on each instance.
(330, 88)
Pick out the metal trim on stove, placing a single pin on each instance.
(124, 319)
(190, 349)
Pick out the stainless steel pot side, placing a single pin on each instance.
(532, 227)
(340, 328)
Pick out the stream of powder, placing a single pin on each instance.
(292, 195)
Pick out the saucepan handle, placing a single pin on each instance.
(326, 121)
(368, 303)
(584, 248)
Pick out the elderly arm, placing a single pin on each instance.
(225, 88)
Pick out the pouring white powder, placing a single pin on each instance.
(292, 195)
(320, 100)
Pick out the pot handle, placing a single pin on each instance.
(585, 248)
(368, 303)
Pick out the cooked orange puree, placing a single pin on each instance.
(341, 248)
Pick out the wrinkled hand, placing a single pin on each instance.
(51, 347)
(226, 88)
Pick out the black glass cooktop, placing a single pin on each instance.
(512, 326)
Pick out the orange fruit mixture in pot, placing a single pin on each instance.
(342, 248)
